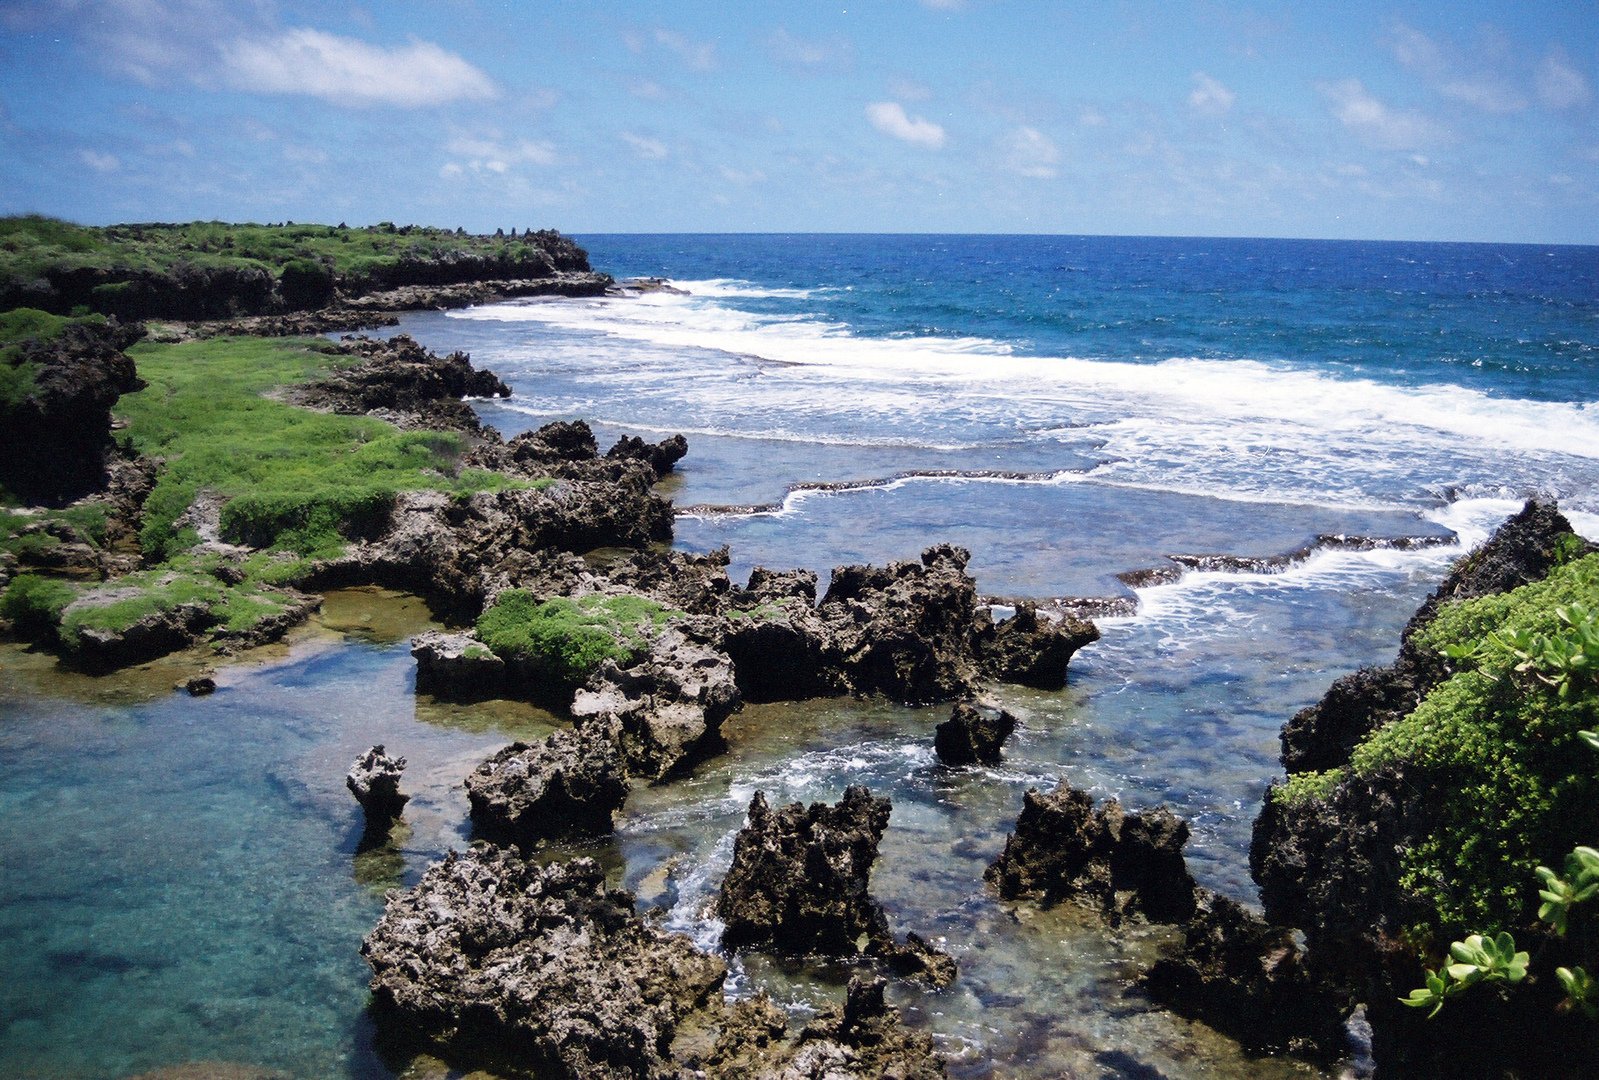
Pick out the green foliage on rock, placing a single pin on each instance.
(287, 477)
(1500, 740)
(51, 263)
(20, 328)
(569, 639)
(33, 604)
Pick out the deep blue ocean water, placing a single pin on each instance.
(181, 876)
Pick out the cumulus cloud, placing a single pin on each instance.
(1560, 85)
(477, 154)
(889, 117)
(647, 148)
(99, 162)
(346, 71)
(1376, 123)
(1209, 97)
(1029, 152)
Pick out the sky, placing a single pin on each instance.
(1465, 120)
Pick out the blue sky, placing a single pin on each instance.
(1444, 121)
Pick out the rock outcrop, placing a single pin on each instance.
(1122, 864)
(972, 735)
(1522, 550)
(1031, 649)
(401, 382)
(1249, 979)
(799, 885)
(665, 711)
(374, 780)
(1332, 864)
(544, 970)
(571, 784)
(55, 428)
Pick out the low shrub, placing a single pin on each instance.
(34, 604)
(569, 639)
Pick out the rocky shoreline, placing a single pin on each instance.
(561, 591)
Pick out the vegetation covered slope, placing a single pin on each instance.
(216, 270)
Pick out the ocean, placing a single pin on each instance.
(1252, 458)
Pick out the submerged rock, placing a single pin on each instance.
(1120, 863)
(972, 735)
(535, 970)
(1249, 979)
(571, 784)
(374, 780)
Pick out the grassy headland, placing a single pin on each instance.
(216, 270)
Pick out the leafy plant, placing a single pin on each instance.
(1561, 894)
(1476, 960)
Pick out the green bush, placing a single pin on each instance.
(310, 522)
(1499, 747)
(569, 639)
(34, 604)
(306, 285)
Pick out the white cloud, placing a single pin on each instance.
(645, 147)
(699, 55)
(944, 5)
(805, 54)
(741, 177)
(1209, 96)
(99, 162)
(479, 155)
(1088, 116)
(1485, 89)
(1560, 85)
(345, 71)
(1029, 152)
(1376, 123)
(889, 118)
(647, 89)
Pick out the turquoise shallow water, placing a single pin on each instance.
(180, 875)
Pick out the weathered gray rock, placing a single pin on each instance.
(799, 879)
(1242, 976)
(374, 780)
(458, 666)
(972, 735)
(905, 630)
(799, 882)
(1031, 649)
(1119, 863)
(571, 784)
(665, 711)
(536, 971)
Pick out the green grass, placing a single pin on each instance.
(88, 521)
(1519, 785)
(295, 479)
(231, 606)
(567, 638)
